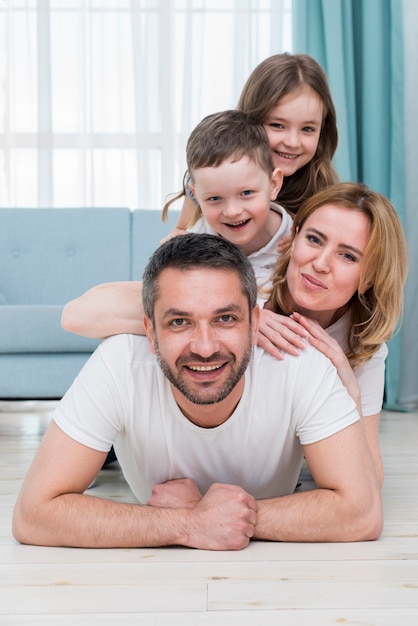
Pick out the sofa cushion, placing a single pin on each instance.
(49, 256)
(147, 231)
(46, 375)
(36, 328)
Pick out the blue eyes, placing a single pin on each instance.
(347, 256)
(245, 193)
(313, 239)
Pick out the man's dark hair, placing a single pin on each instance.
(191, 251)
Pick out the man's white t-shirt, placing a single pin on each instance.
(263, 260)
(121, 397)
(370, 375)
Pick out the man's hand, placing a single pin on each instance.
(176, 494)
(224, 519)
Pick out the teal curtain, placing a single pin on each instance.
(359, 43)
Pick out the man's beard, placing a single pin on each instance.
(218, 394)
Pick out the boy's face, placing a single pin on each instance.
(235, 200)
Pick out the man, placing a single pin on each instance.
(210, 435)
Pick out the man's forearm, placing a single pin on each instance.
(223, 520)
(321, 515)
(78, 520)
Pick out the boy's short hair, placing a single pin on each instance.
(192, 251)
(226, 135)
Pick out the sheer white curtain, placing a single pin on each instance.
(98, 97)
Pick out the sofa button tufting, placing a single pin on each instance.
(16, 253)
(70, 252)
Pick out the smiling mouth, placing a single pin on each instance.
(285, 155)
(237, 225)
(204, 368)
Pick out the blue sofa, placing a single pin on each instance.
(47, 257)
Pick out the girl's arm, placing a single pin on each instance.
(186, 218)
(187, 213)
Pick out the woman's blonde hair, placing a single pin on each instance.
(272, 80)
(377, 305)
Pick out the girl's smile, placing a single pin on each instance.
(293, 128)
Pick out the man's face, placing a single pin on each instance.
(202, 334)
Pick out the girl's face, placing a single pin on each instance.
(293, 127)
(326, 262)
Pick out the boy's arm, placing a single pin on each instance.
(345, 506)
(52, 509)
(105, 310)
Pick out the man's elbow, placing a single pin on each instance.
(21, 526)
(24, 527)
(368, 522)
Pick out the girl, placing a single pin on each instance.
(290, 96)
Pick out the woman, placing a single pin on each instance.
(340, 286)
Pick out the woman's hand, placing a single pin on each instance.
(280, 333)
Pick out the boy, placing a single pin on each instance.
(232, 176)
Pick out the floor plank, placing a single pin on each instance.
(367, 583)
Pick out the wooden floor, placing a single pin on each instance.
(265, 584)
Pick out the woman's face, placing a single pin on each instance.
(326, 261)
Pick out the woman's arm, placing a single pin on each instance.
(319, 338)
(106, 309)
(281, 333)
(371, 430)
(326, 344)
